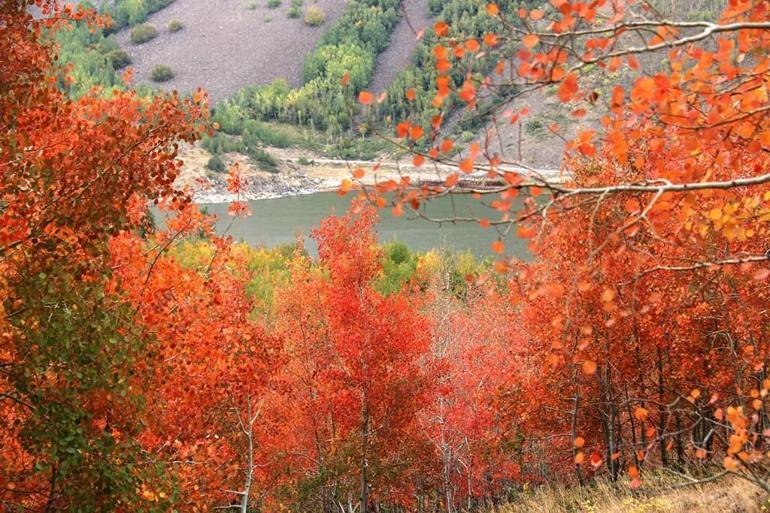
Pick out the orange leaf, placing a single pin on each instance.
(416, 132)
(365, 98)
(446, 145)
(493, 9)
(490, 39)
(579, 442)
(731, 464)
(345, 80)
(418, 160)
(589, 367)
(402, 129)
(466, 166)
(358, 173)
(345, 186)
(568, 88)
(498, 247)
(410, 94)
(525, 232)
(441, 29)
(472, 45)
(530, 40)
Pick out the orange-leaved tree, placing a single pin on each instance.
(72, 175)
(646, 298)
(355, 376)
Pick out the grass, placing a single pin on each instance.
(295, 11)
(119, 59)
(216, 164)
(175, 25)
(162, 73)
(658, 494)
(143, 33)
(263, 160)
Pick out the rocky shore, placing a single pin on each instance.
(312, 176)
(259, 187)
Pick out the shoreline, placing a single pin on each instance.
(297, 176)
(275, 186)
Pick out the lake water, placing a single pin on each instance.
(278, 221)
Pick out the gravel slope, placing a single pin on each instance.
(403, 41)
(225, 45)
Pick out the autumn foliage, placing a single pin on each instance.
(166, 368)
(644, 303)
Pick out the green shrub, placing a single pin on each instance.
(273, 4)
(399, 265)
(130, 12)
(143, 33)
(216, 164)
(314, 16)
(175, 25)
(263, 159)
(304, 161)
(222, 143)
(162, 73)
(230, 117)
(89, 54)
(119, 59)
(295, 11)
(252, 6)
(255, 133)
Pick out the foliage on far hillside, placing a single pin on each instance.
(125, 13)
(91, 56)
(343, 63)
(411, 96)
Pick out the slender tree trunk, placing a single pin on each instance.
(573, 433)
(661, 401)
(250, 459)
(364, 449)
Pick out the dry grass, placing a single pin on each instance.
(730, 495)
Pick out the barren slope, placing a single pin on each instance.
(403, 41)
(225, 45)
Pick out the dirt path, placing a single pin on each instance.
(403, 41)
(226, 45)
